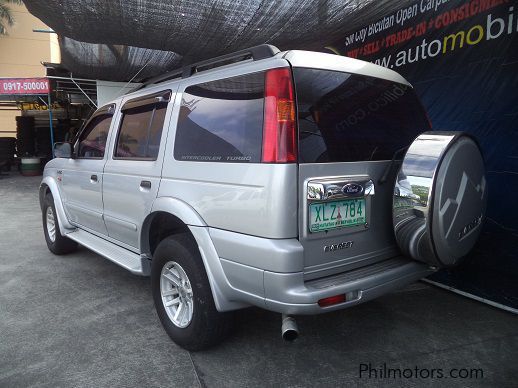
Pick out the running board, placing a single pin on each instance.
(126, 259)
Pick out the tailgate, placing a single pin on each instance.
(350, 128)
(341, 231)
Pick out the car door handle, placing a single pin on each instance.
(145, 184)
(93, 178)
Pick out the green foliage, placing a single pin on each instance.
(422, 192)
(6, 18)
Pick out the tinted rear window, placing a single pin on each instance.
(140, 132)
(346, 117)
(222, 121)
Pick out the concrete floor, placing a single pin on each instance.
(81, 321)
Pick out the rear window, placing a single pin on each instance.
(347, 117)
(141, 127)
(222, 121)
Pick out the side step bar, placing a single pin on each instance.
(126, 259)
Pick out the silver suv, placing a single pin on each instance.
(298, 182)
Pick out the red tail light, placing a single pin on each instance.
(332, 300)
(280, 125)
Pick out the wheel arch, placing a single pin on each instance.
(49, 185)
(168, 215)
(171, 215)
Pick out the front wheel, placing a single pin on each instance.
(56, 243)
(182, 295)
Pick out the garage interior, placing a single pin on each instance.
(43, 119)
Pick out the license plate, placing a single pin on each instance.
(337, 214)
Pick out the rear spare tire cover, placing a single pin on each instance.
(440, 198)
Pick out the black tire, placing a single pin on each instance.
(61, 245)
(207, 327)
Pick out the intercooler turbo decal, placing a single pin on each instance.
(462, 59)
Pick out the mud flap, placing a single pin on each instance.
(440, 198)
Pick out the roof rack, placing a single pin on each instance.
(256, 53)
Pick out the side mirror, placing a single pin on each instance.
(63, 150)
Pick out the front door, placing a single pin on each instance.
(82, 179)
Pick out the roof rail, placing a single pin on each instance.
(159, 78)
(256, 53)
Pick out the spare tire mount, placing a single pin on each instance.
(440, 198)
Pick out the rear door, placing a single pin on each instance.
(133, 170)
(350, 127)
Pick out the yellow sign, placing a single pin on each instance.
(37, 106)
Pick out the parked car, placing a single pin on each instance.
(265, 178)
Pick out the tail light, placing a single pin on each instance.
(280, 126)
(332, 300)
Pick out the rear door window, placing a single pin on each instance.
(222, 121)
(141, 127)
(346, 117)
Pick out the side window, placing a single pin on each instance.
(92, 141)
(141, 130)
(222, 121)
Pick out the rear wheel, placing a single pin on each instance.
(182, 295)
(56, 243)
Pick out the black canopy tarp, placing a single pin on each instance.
(115, 39)
(114, 62)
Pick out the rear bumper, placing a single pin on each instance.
(269, 274)
(289, 294)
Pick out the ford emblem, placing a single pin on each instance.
(352, 189)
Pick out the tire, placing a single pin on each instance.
(56, 243)
(442, 224)
(199, 325)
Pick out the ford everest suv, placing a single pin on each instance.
(298, 182)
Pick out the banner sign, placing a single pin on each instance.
(24, 86)
(462, 59)
(431, 29)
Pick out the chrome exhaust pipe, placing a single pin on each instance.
(289, 329)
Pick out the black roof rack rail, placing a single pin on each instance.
(262, 51)
(159, 78)
(256, 53)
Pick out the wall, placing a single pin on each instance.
(8, 123)
(107, 91)
(21, 52)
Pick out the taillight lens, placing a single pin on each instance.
(332, 300)
(280, 125)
